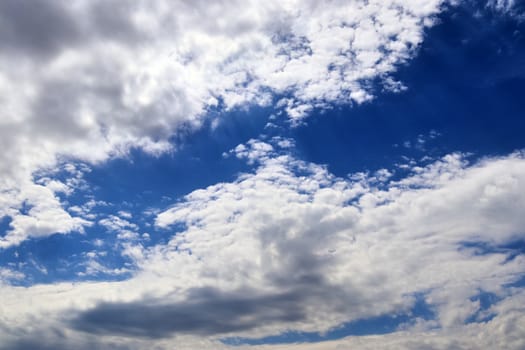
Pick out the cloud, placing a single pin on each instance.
(288, 246)
(291, 247)
(206, 312)
(36, 28)
(91, 80)
(505, 331)
(374, 248)
(512, 8)
(43, 213)
(7, 275)
(115, 223)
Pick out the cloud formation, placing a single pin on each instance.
(292, 247)
(287, 246)
(205, 312)
(94, 79)
(293, 222)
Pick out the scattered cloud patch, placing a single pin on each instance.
(9, 275)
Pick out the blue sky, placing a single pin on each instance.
(277, 175)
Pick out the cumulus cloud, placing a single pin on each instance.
(90, 79)
(287, 247)
(295, 224)
(292, 247)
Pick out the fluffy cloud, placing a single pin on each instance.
(292, 247)
(90, 79)
(370, 245)
(287, 247)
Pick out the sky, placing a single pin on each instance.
(279, 174)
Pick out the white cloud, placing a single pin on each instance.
(503, 332)
(125, 214)
(8, 275)
(87, 85)
(390, 243)
(93, 267)
(288, 247)
(45, 214)
(117, 224)
(291, 247)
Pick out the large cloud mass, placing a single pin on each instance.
(92, 79)
(291, 247)
(434, 246)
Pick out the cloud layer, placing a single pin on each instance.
(285, 247)
(94, 79)
(291, 247)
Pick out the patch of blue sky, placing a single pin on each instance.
(5, 225)
(141, 181)
(511, 249)
(465, 83)
(62, 258)
(486, 300)
(519, 283)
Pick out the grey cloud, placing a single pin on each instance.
(111, 20)
(44, 342)
(55, 109)
(33, 344)
(207, 311)
(36, 27)
(36, 344)
(41, 29)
